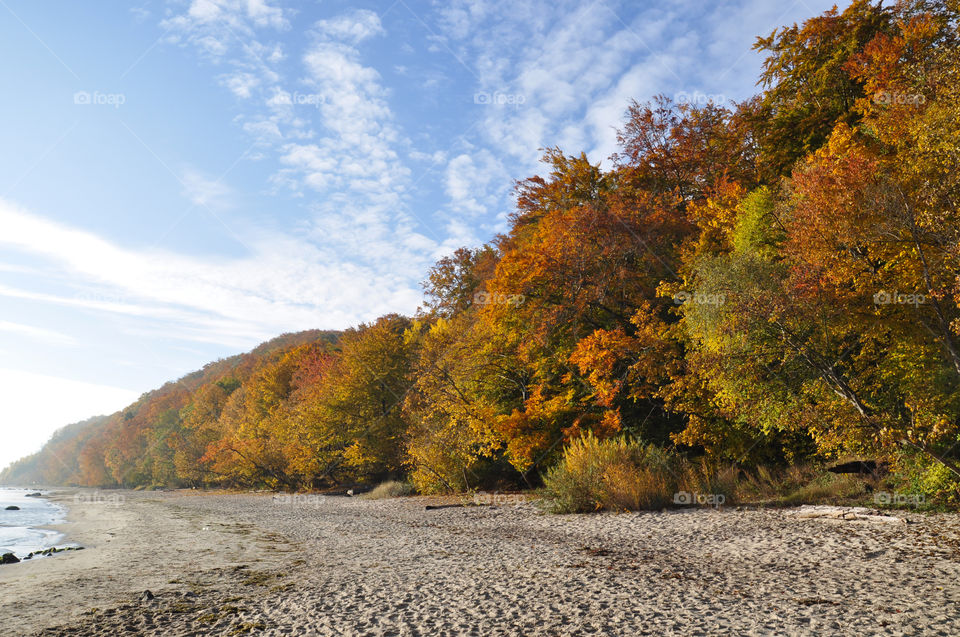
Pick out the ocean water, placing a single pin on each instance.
(22, 532)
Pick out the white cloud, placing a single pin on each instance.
(140, 14)
(285, 284)
(227, 31)
(206, 192)
(576, 65)
(332, 131)
(354, 27)
(241, 84)
(475, 182)
(204, 11)
(37, 333)
(265, 129)
(264, 15)
(231, 14)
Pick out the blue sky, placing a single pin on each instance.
(181, 180)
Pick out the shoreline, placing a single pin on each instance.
(29, 520)
(131, 545)
(250, 562)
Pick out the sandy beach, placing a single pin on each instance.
(315, 565)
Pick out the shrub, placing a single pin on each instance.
(827, 488)
(919, 477)
(614, 474)
(391, 489)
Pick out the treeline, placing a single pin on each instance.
(758, 283)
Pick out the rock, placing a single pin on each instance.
(13, 507)
(146, 596)
(9, 558)
(53, 549)
(34, 495)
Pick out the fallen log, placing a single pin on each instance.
(860, 467)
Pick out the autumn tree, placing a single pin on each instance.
(808, 87)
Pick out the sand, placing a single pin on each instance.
(313, 565)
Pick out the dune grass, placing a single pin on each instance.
(390, 489)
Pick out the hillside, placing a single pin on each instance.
(751, 285)
(77, 454)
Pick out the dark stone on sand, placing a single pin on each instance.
(34, 495)
(146, 596)
(52, 550)
(12, 507)
(9, 558)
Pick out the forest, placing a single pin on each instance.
(756, 285)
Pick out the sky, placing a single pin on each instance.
(181, 180)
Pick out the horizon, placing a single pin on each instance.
(290, 168)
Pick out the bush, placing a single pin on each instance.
(391, 489)
(925, 481)
(828, 488)
(626, 475)
(614, 474)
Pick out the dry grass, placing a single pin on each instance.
(626, 475)
(617, 474)
(711, 478)
(391, 489)
(828, 489)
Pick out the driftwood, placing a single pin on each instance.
(846, 513)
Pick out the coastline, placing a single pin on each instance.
(131, 544)
(280, 565)
(27, 521)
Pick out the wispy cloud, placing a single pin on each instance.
(324, 116)
(37, 333)
(285, 283)
(202, 190)
(354, 27)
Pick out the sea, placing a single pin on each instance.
(22, 532)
